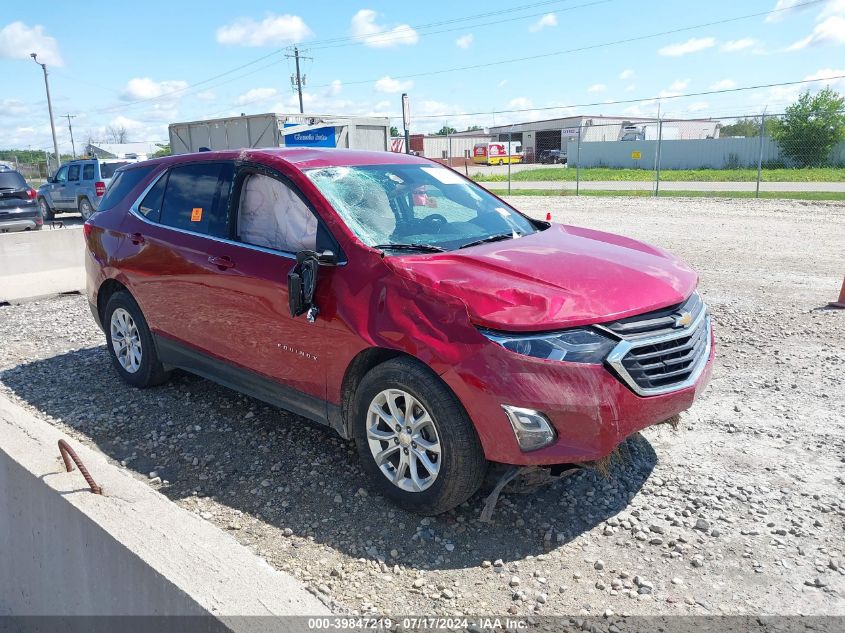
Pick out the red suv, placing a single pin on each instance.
(399, 303)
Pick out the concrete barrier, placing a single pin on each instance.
(40, 263)
(66, 551)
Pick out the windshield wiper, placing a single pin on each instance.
(492, 238)
(423, 248)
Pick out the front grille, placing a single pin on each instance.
(662, 350)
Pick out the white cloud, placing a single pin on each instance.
(833, 7)
(550, 19)
(824, 75)
(17, 41)
(737, 45)
(681, 84)
(206, 95)
(520, 103)
(274, 29)
(630, 88)
(146, 88)
(464, 41)
(626, 74)
(334, 88)
(830, 31)
(365, 28)
(597, 88)
(724, 84)
(389, 84)
(783, 8)
(256, 95)
(692, 45)
(698, 106)
(12, 107)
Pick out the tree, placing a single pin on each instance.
(446, 130)
(394, 131)
(164, 151)
(748, 128)
(811, 127)
(115, 134)
(475, 128)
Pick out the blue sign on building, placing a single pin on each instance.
(320, 137)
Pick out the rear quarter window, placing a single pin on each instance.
(122, 185)
(107, 170)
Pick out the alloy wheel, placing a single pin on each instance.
(126, 340)
(403, 440)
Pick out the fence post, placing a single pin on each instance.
(510, 140)
(760, 155)
(657, 156)
(578, 165)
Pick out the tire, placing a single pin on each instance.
(46, 212)
(441, 422)
(123, 317)
(86, 209)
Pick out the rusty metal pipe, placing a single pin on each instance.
(69, 454)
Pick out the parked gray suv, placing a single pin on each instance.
(78, 186)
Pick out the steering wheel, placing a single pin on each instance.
(437, 221)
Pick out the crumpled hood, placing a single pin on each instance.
(562, 277)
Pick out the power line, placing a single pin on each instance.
(590, 47)
(388, 37)
(627, 101)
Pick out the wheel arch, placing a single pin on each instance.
(108, 288)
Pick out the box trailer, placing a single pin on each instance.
(281, 130)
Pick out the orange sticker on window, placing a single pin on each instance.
(196, 214)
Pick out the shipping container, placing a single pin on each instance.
(281, 130)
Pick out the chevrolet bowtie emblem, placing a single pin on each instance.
(683, 319)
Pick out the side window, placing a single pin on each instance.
(150, 206)
(73, 173)
(192, 198)
(61, 175)
(88, 171)
(272, 215)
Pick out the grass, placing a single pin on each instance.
(810, 174)
(771, 195)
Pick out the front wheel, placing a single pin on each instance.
(46, 212)
(415, 440)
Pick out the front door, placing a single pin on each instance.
(57, 189)
(271, 222)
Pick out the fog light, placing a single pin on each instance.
(532, 429)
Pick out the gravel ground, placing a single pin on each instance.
(739, 511)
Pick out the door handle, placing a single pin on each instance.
(136, 238)
(223, 262)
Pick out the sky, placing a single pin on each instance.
(141, 66)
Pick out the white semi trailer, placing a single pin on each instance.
(281, 130)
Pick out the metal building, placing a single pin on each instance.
(540, 137)
(281, 130)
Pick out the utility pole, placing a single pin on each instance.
(406, 121)
(49, 108)
(70, 129)
(298, 81)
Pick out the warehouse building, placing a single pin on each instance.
(539, 138)
(454, 149)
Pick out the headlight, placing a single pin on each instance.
(582, 345)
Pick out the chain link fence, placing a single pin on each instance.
(738, 156)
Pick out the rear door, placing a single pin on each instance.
(172, 240)
(89, 176)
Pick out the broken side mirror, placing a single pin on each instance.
(302, 282)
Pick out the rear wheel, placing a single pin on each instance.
(46, 212)
(86, 210)
(415, 440)
(130, 343)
